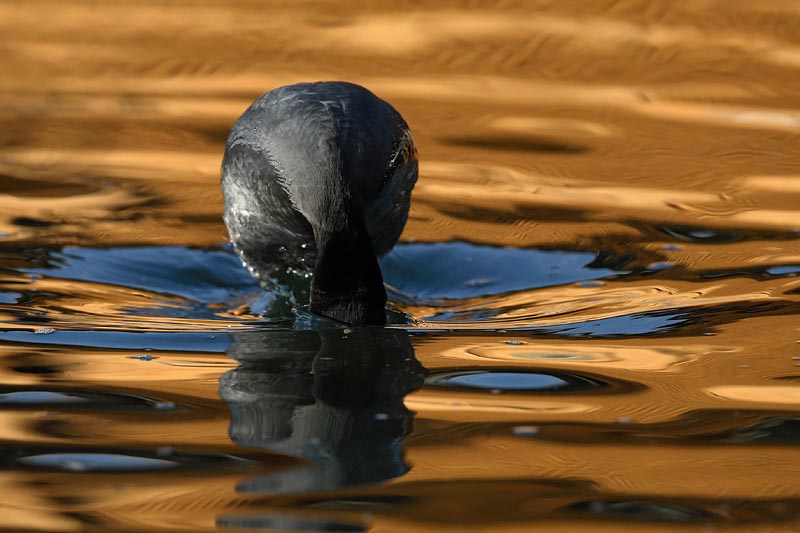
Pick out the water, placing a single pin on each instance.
(594, 303)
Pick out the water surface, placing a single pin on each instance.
(594, 303)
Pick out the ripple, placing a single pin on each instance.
(526, 143)
(176, 341)
(776, 430)
(629, 325)
(660, 265)
(38, 398)
(80, 400)
(43, 188)
(134, 288)
(519, 381)
(652, 511)
(95, 462)
(285, 522)
(704, 235)
(553, 200)
(206, 276)
(428, 273)
(116, 460)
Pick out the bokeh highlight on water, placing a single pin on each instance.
(594, 304)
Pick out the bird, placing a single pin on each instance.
(317, 178)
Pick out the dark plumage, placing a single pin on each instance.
(318, 176)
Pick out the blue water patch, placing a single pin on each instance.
(637, 324)
(211, 281)
(516, 381)
(39, 398)
(9, 297)
(95, 462)
(783, 270)
(634, 324)
(178, 341)
(455, 270)
(660, 265)
(498, 381)
(441, 270)
(199, 275)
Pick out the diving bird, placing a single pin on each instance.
(318, 177)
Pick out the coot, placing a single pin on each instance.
(318, 177)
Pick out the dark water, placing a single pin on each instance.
(594, 304)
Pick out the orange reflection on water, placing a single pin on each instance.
(659, 138)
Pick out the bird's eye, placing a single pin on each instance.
(403, 152)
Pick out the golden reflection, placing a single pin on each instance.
(565, 305)
(616, 357)
(747, 395)
(621, 470)
(29, 510)
(451, 407)
(660, 136)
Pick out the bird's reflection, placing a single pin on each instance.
(333, 397)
